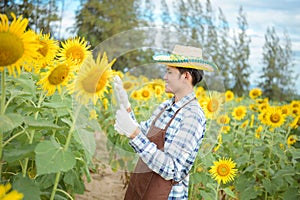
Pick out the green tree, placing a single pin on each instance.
(43, 15)
(277, 73)
(98, 21)
(240, 69)
(224, 55)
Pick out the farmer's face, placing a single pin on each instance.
(173, 80)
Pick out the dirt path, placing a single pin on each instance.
(105, 185)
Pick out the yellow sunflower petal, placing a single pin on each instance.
(93, 79)
(223, 170)
(18, 47)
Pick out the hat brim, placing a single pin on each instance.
(194, 63)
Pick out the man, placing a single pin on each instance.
(168, 142)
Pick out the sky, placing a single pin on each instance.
(283, 15)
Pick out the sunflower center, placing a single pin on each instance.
(229, 96)
(223, 120)
(44, 49)
(239, 112)
(76, 53)
(145, 93)
(59, 74)
(95, 82)
(275, 118)
(223, 170)
(127, 85)
(11, 49)
(292, 140)
(213, 105)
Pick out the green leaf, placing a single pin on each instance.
(291, 193)
(207, 195)
(87, 140)
(15, 152)
(46, 181)
(26, 82)
(40, 123)
(288, 170)
(295, 153)
(27, 187)
(259, 158)
(50, 158)
(10, 121)
(268, 185)
(72, 178)
(229, 192)
(249, 193)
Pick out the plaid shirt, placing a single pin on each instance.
(182, 142)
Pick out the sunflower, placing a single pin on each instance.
(158, 91)
(47, 51)
(286, 109)
(295, 104)
(128, 85)
(254, 93)
(213, 105)
(245, 124)
(93, 79)
(262, 117)
(93, 115)
(223, 170)
(239, 112)
(229, 95)
(223, 119)
(76, 49)
(200, 92)
(7, 193)
(17, 46)
(135, 95)
(56, 75)
(252, 120)
(259, 129)
(296, 122)
(292, 139)
(295, 111)
(145, 93)
(225, 129)
(257, 135)
(274, 117)
(105, 103)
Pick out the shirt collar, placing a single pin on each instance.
(175, 106)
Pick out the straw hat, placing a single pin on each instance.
(185, 56)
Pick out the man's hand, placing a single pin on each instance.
(124, 124)
(121, 94)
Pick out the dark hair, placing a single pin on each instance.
(197, 74)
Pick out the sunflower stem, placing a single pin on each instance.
(32, 133)
(2, 111)
(55, 185)
(217, 191)
(3, 93)
(69, 137)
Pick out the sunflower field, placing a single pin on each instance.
(55, 95)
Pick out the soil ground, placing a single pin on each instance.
(105, 185)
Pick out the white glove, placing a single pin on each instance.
(124, 124)
(121, 94)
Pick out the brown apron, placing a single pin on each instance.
(145, 184)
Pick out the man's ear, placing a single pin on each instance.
(188, 77)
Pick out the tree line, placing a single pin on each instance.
(183, 21)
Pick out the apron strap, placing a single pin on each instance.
(168, 124)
